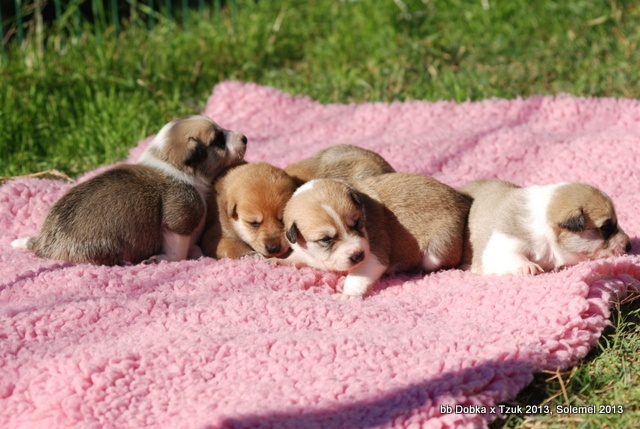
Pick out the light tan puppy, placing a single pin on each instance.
(153, 210)
(526, 231)
(341, 161)
(382, 224)
(245, 212)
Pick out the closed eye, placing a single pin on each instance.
(325, 241)
(608, 229)
(357, 225)
(219, 141)
(254, 224)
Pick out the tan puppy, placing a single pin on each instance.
(341, 161)
(245, 212)
(526, 231)
(154, 209)
(383, 224)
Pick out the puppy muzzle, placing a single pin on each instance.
(274, 248)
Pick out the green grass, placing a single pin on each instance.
(81, 102)
(608, 377)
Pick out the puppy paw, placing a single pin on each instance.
(152, 260)
(277, 261)
(529, 269)
(255, 256)
(156, 259)
(356, 286)
(342, 297)
(195, 252)
(21, 243)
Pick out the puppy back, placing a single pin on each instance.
(341, 161)
(117, 217)
(433, 212)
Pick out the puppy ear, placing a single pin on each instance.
(574, 222)
(198, 155)
(232, 211)
(357, 198)
(297, 181)
(292, 233)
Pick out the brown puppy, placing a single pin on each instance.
(153, 209)
(382, 224)
(526, 231)
(341, 161)
(245, 212)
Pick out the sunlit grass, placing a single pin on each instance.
(83, 101)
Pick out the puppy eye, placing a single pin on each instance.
(326, 240)
(357, 225)
(608, 229)
(254, 224)
(219, 141)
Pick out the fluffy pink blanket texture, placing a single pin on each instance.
(244, 344)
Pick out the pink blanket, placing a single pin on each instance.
(242, 344)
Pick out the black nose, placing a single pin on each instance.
(244, 140)
(273, 248)
(628, 247)
(357, 257)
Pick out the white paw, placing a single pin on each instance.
(21, 243)
(342, 297)
(356, 286)
(529, 268)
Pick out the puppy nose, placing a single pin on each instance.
(628, 247)
(273, 248)
(357, 257)
(243, 139)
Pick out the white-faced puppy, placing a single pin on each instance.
(154, 209)
(341, 161)
(245, 212)
(526, 231)
(383, 224)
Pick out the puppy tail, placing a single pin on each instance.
(23, 243)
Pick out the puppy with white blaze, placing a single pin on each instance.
(374, 226)
(152, 210)
(527, 231)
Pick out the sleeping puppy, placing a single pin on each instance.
(383, 224)
(526, 231)
(341, 161)
(152, 210)
(245, 212)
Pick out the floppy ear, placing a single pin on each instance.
(574, 222)
(232, 211)
(297, 181)
(357, 198)
(292, 233)
(198, 154)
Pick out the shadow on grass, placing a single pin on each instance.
(550, 387)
